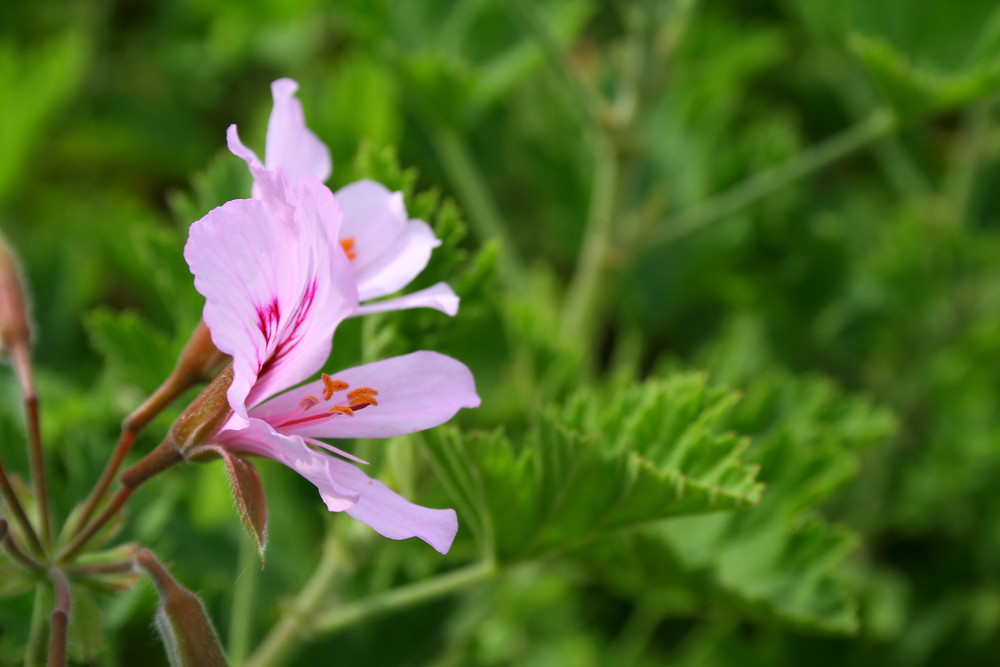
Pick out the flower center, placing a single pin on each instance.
(356, 399)
(348, 246)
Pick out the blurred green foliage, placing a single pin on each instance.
(701, 246)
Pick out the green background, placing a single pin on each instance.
(691, 238)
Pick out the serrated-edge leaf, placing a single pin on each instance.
(563, 484)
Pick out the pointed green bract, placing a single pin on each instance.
(248, 494)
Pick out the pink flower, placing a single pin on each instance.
(276, 286)
(387, 250)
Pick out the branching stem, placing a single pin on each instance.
(132, 426)
(165, 456)
(10, 546)
(16, 512)
(877, 125)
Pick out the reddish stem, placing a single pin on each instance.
(15, 552)
(17, 512)
(165, 456)
(22, 366)
(165, 394)
(59, 619)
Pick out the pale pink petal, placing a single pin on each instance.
(440, 297)
(390, 514)
(274, 289)
(246, 265)
(268, 184)
(390, 249)
(344, 487)
(259, 439)
(415, 392)
(291, 147)
(328, 294)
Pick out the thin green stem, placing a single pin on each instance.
(404, 597)
(899, 165)
(634, 637)
(244, 593)
(581, 98)
(469, 184)
(583, 298)
(967, 157)
(297, 622)
(34, 652)
(879, 124)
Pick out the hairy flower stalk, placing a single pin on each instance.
(277, 283)
(200, 361)
(197, 425)
(15, 335)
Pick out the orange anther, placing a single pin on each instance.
(361, 391)
(348, 246)
(308, 402)
(331, 386)
(342, 409)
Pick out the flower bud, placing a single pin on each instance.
(14, 328)
(183, 622)
(199, 423)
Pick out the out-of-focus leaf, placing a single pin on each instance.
(783, 558)
(113, 578)
(85, 626)
(913, 91)
(14, 580)
(605, 464)
(108, 531)
(35, 83)
(928, 56)
(135, 351)
(225, 178)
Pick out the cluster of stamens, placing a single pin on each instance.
(357, 399)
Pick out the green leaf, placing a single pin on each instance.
(915, 91)
(135, 351)
(225, 178)
(85, 627)
(36, 82)
(14, 579)
(609, 462)
(783, 559)
(929, 56)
